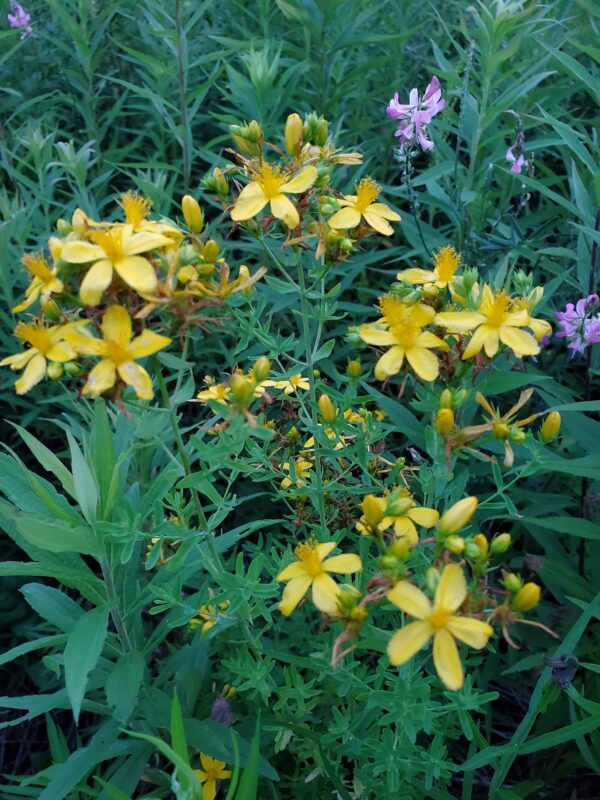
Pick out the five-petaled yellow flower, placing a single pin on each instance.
(363, 205)
(439, 621)
(44, 281)
(117, 249)
(302, 469)
(271, 186)
(46, 344)
(216, 391)
(212, 771)
(403, 513)
(119, 353)
(291, 384)
(208, 616)
(492, 323)
(445, 263)
(401, 328)
(311, 570)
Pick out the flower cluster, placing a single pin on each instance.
(19, 19)
(580, 323)
(416, 115)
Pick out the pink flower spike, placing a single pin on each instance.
(415, 115)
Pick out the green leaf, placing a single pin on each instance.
(123, 684)
(57, 537)
(53, 605)
(178, 740)
(182, 766)
(82, 652)
(48, 460)
(30, 647)
(573, 526)
(86, 488)
(112, 791)
(102, 454)
(248, 785)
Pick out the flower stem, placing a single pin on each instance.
(412, 199)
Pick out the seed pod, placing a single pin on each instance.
(551, 427)
(527, 597)
(192, 213)
(457, 516)
(501, 430)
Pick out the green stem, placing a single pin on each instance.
(113, 605)
(412, 199)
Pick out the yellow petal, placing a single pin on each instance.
(377, 223)
(324, 549)
(209, 789)
(460, 320)
(19, 360)
(345, 218)
(476, 342)
(293, 592)
(101, 378)
(324, 593)
(377, 336)
(32, 295)
(344, 564)
(137, 272)
(430, 340)
(520, 342)
(424, 363)
(409, 598)
(408, 641)
(425, 517)
(540, 327)
(96, 280)
(251, 190)
(144, 242)
(417, 276)
(146, 344)
(61, 352)
(116, 326)
(390, 363)
(283, 208)
(81, 253)
(248, 207)
(447, 661)
(293, 570)
(86, 345)
(452, 588)
(136, 376)
(491, 341)
(404, 529)
(470, 631)
(421, 315)
(384, 211)
(300, 182)
(34, 372)
(482, 400)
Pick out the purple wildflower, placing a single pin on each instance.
(577, 325)
(415, 115)
(20, 20)
(516, 158)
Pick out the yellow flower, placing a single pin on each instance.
(363, 205)
(208, 616)
(302, 469)
(291, 384)
(271, 186)
(439, 621)
(337, 439)
(217, 391)
(119, 353)
(403, 513)
(46, 344)
(136, 209)
(212, 771)
(44, 281)
(540, 327)
(502, 427)
(116, 249)
(401, 326)
(374, 509)
(446, 261)
(311, 570)
(492, 323)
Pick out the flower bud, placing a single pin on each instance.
(51, 310)
(346, 245)
(455, 544)
(501, 430)
(293, 133)
(187, 274)
(358, 614)
(400, 549)
(321, 132)
(430, 291)
(55, 245)
(512, 582)
(501, 543)
(388, 563)
(446, 399)
(354, 369)
(472, 550)
(373, 509)
(63, 226)
(444, 421)
(517, 436)
(398, 503)
(254, 131)
(72, 368)
(482, 543)
(242, 388)
(527, 597)
(186, 255)
(192, 213)
(432, 578)
(459, 397)
(210, 251)
(327, 409)
(457, 516)
(221, 182)
(54, 371)
(79, 222)
(261, 369)
(551, 427)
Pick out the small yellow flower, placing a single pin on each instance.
(491, 324)
(550, 427)
(212, 771)
(446, 261)
(540, 327)
(46, 344)
(337, 440)
(136, 209)
(117, 249)
(363, 205)
(291, 384)
(439, 621)
(302, 469)
(403, 513)
(44, 281)
(208, 616)
(217, 391)
(401, 327)
(311, 570)
(271, 186)
(502, 426)
(119, 353)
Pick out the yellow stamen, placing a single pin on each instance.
(39, 338)
(446, 263)
(111, 242)
(307, 553)
(366, 193)
(135, 207)
(497, 311)
(438, 619)
(270, 180)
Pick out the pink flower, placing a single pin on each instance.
(518, 161)
(577, 325)
(20, 19)
(415, 115)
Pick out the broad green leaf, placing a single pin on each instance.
(57, 537)
(82, 652)
(573, 526)
(123, 684)
(48, 460)
(86, 488)
(53, 605)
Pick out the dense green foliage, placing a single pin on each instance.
(109, 693)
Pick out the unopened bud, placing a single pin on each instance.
(292, 434)
(51, 310)
(444, 421)
(398, 503)
(354, 369)
(388, 563)
(358, 614)
(221, 183)
(527, 597)
(512, 582)
(430, 291)
(459, 397)
(446, 399)
(327, 409)
(551, 427)
(54, 371)
(373, 509)
(72, 368)
(501, 543)
(192, 213)
(55, 245)
(63, 226)
(455, 544)
(517, 436)
(261, 369)
(472, 550)
(79, 222)
(400, 548)
(293, 133)
(482, 543)
(254, 131)
(346, 245)
(210, 251)
(432, 578)
(457, 516)
(242, 388)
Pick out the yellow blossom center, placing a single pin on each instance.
(38, 267)
(446, 263)
(439, 617)
(309, 557)
(366, 193)
(115, 353)
(39, 338)
(270, 181)
(398, 317)
(135, 208)
(498, 310)
(111, 242)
